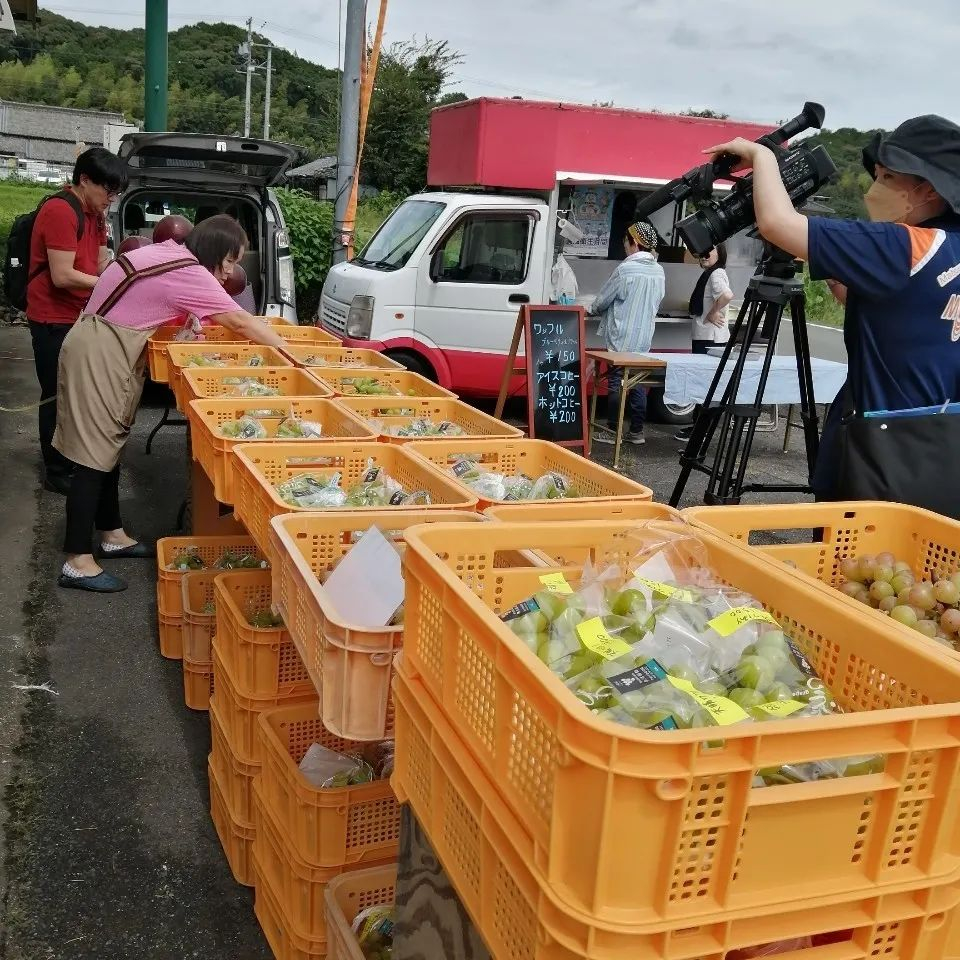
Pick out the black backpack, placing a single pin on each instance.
(16, 275)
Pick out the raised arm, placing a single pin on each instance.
(249, 327)
(777, 220)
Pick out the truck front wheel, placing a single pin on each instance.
(414, 363)
(659, 411)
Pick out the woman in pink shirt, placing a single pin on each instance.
(103, 368)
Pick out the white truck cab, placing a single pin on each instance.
(440, 284)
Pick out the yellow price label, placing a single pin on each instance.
(556, 583)
(666, 589)
(724, 711)
(781, 708)
(734, 619)
(593, 635)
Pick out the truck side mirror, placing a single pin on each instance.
(436, 264)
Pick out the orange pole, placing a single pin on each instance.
(369, 75)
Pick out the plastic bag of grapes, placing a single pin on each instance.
(308, 490)
(374, 930)
(250, 387)
(554, 486)
(662, 644)
(375, 489)
(185, 560)
(293, 428)
(246, 428)
(491, 485)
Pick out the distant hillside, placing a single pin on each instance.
(63, 62)
(67, 63)
(845, 194)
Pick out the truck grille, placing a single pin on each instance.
(332, 315)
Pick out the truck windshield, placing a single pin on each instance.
(395, 241)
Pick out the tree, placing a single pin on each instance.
(844, 194)
(409, 82)
(707, 113)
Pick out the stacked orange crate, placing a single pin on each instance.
(254, 669)
(307, 836)
(203, 553)
(570, 837)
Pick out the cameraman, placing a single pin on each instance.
(899, 276)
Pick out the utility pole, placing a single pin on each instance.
(266, 96)
(354, 49)
(155, 65)
(248, 49)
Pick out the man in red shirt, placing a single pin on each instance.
(63, 272)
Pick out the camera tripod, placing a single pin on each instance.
(733, 424)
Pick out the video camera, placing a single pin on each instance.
(803, 172)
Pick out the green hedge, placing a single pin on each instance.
(310, 225)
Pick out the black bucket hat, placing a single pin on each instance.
(926, 147)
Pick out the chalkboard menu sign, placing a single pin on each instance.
(556, 374)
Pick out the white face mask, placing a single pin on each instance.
(886, 204)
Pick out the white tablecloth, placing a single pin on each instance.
(689, 376)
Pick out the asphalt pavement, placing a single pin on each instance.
(109, 851)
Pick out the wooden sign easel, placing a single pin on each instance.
(555, 370)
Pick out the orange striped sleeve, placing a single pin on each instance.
(924, 243)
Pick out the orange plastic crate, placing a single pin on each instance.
(198, 623)
(320, 355)
(307, 334)
(234, 775)
(259, 466)
(204, 382)
(263, 662)
(927, 541)
(952, 949)
(551, 512)
(404, 382)
(597, 798)
(238, 714)
(299, 886)
(376, 411)
(197, 684)
(209, 549)
(326, 828)
(534, 458)
(171, 636)
(239, 355)
(285, 942)
(346, 897)
(351, 666)
(235, 838)
(158, 360)
(215, 451)
(484, 852)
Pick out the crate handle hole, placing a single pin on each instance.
(675, 789)
(936, 921)
(381, 659)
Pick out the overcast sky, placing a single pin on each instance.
(870, 62)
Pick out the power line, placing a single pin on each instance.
(139, 16)
(453, 82)
(299, 34)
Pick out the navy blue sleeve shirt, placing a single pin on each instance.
(902, 321)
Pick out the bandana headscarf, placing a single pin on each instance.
(643, 235)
